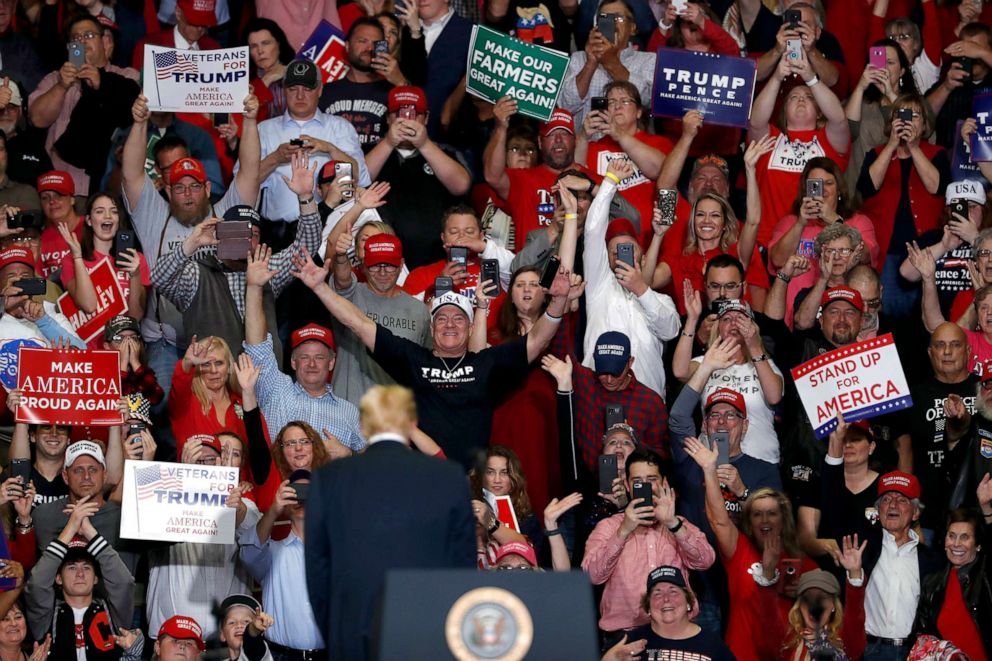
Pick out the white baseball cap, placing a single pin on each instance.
(968, 189)
(460, 301)
(79, 448)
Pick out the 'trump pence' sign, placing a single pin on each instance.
(861, 380)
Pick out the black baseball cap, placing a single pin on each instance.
(301, 72)
(666, 574)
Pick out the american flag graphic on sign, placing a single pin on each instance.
(151, 478)
(168, 63)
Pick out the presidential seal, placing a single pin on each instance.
(487, 624)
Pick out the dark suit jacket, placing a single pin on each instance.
(167, 38)
(387, 508)
(445, 68)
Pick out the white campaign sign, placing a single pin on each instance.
(195, 80)
(178, 502)
(860, 380)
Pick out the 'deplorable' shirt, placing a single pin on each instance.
(455, 396)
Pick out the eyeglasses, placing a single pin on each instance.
(984, 253)
(619, 18)
(843, 252)
(83, 36)
(383, 268)
(522, 150)
(722, 286)
(726, 416)
(617, 103)
(903, 36)
(296, 442)
(182, 189)
(873, 303)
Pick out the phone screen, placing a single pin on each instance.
(877, 57)
(607, 472)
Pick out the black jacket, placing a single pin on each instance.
(976, 586)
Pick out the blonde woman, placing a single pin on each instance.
(205, 397)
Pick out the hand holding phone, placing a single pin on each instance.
(608, 471)
(643, 490)
(490, 271)
(877, 57)
(77, 55)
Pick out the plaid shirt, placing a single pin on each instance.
(645, 411)
(177, 277)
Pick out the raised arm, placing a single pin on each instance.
(838, 130)
(547, 325)
(671, 169)
(494, 157)
(764, 105)
(716, 510)
(248, 175)
(449, 172)
(315, 277)
(135, 150)
(749, 233)
(925, 263)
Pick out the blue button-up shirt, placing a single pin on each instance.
(283, 400)
(280, 203)
(281, 569)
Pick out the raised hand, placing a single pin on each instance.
(247, 373)
(664, 507)
(849, 557)
(196, 352)
(705, 457)
(505, 108)
(307, 271)
(70, 239)
(757, 149)
(373, 197)
(557, 507)
(561, 370)
(302, 174)
(984, 494)
(335, 448)
(795, 266)
(923, 261)
(621, 168)
(722, 353)
(624, 651)
(257, 273)
(260, 622)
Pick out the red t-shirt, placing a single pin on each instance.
(123, 277)
(956, 623)
(691, 267)
(780, 170)
(54, 249)
(420, 283)
(530, 201)
(637, 189)
(187, 416)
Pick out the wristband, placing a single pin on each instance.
(571, 216)
(677, 528)
(612, 177)
(306, 201)
(689, 335)
(759, 359)
(664, 26)
(783, 277)
(813, 81)
(494, 527)
(551, 317)
(483, 308)
(552, 532)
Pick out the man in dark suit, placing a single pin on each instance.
(387, 508)
(193, 19)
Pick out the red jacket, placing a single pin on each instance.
(165, 38)
(882, 206)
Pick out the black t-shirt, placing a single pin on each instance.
(841, 511)
(455, 396)
(701, 647)
(46, 491)
(364, 105)
(415, 206)
(951, 275)
(925, 425)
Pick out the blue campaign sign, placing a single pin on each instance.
(721, 87)
(981, 139)
(9, 355)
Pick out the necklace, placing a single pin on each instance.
(449, 370)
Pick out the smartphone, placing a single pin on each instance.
(124, 242)
(77, 55)
(442, 285)
(608, 472)
(234, 239)
(600, 103)
(302, 490)
(221, 118)
(380, 47)
(667, 199)
(791, 570)
(614, 415)
(792, 18)
(26, 220)
(904, 114)
(296, 142)
(722, 441)
(793, 50)
(407, 112)
(135, 429)
(625, 253)
(642, 490)
(960, 208)
(21, 468)
(490, 271)
(398, 7)
(344, 169)
(877, 57)
(550, 271)
(814, 188)
(680, 6)
(966, 64)
(607, 26)
(32, 286)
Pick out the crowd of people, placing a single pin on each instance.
(432, 332)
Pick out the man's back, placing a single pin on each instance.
(387, 508)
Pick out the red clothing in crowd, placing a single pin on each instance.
(188, 417)
(957, 624)
(54, 249)
(420, 284)
(636, 189)
(530, 201)
(780, 170)
(690, 267)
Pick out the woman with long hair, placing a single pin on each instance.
(205, 397)
(766, 545)
(270, 52)
(499, 473)
(99, 241)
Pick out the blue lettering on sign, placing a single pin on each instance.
(8, 359)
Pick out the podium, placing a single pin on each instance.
(469, 615)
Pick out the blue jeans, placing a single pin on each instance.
(880, 652)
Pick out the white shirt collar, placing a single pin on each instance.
(387, 436)
(181, 43)
(433, 31)
(889, 541)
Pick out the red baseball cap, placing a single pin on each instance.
(843, 293)
(199, 12)
(620, 227)
(14, 255)
(311, 332)
(383, 249)
(207, 440)
(524, 550)
(327, 172)
(187, 167)
(407, 95)
(899, 482)
(182, 627)
(727, 396)
(986, 371)
(865, 428)
(59, 181)
(560, 119)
